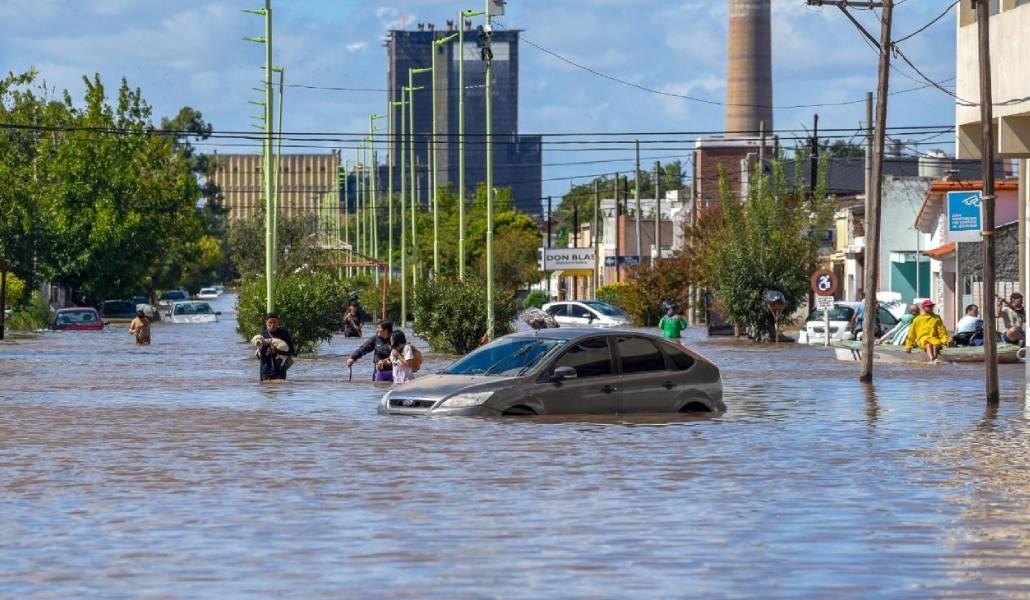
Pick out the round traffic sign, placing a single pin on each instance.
(824, 282)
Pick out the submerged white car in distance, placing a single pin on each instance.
(208, 293)
(586, 313)
(192, 312)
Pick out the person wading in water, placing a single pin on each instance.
(140, 327)
(275, 349)
(379, 345)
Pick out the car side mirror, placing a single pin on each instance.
(106, 323)
(590, 316)
(563, 374)
(218, 313)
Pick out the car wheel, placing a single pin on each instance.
(695, 407)
(519, 410)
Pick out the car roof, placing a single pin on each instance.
(575, 333)
(77, 309)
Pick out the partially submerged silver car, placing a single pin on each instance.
(566, 371)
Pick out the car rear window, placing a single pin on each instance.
(680, 359)
(118, 306)
(640, 356)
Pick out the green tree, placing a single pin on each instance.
(762, 244)
(118, 197)
(297, 243)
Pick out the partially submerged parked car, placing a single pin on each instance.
(208, 293)
(77, 319)
(566, 371)
(586, 313)
(171, 297)
(192, 312)
(118, 311)
(814, 331)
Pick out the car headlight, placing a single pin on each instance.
(466, 400)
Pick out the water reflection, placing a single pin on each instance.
(169, 469)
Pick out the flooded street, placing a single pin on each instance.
(169, 471)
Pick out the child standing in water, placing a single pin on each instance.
(402, 356)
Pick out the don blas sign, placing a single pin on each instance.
(566, 259)
(964, 216)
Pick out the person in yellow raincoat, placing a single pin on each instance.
(928, 332)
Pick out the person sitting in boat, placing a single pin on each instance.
(899, 332)
(928, 332)
(1013, 314)
(969, 331)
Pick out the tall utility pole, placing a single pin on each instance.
(595, 236)
(461, 139)
(875, 189)
(872, 250)
(657, 209)
(411, 160)
(618, 249)
(270, 207)
(547, 246)
(636, 197)
(434, 162)
(488, 55)
(987, 198)
(813, 159)
(404, 199)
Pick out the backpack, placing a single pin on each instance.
(416, 361)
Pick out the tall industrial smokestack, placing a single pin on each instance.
(749, 68)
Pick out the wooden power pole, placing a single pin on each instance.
(987, 201)
(875, 189)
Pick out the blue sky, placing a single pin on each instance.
(190, 52)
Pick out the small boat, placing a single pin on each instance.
(851, 351)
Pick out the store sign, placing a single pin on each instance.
(566, 259)
(964, 216)
(624, 261)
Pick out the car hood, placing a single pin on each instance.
(436, 387)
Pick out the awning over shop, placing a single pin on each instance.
(940, 251)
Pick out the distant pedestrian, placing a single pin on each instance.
(275, 349)
(403, 357)
(1013, 315)
(140, 327)
(899, 333)
(672, 324)
(379, 345)
(927, 332)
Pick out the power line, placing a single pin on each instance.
(928, 25)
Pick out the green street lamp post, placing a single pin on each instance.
(394, 143)
(488, 56)
(434, 162)
(411, 159)
(461, 138)
(270, 207)
(374, 175)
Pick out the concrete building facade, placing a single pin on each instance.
(305, 182)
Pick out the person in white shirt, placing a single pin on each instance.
(969, 329)
(402, 356)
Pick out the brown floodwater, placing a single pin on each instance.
(169, 472)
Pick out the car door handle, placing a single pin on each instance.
(608, 389)
(668, 385)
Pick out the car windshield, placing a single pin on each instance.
(202, 308)
(177, 295)
(112, 307)
(504, 357)
(837, 313)
(605, 309)
(79, 317)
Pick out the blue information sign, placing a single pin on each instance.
(964, 216)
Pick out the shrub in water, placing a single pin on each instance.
(33, 316)
(450, 314)
(535, 299)
(309, 304)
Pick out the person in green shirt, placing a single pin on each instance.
(672, 324)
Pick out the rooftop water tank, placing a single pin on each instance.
(934, 165)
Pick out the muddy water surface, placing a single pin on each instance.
(169, 472)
